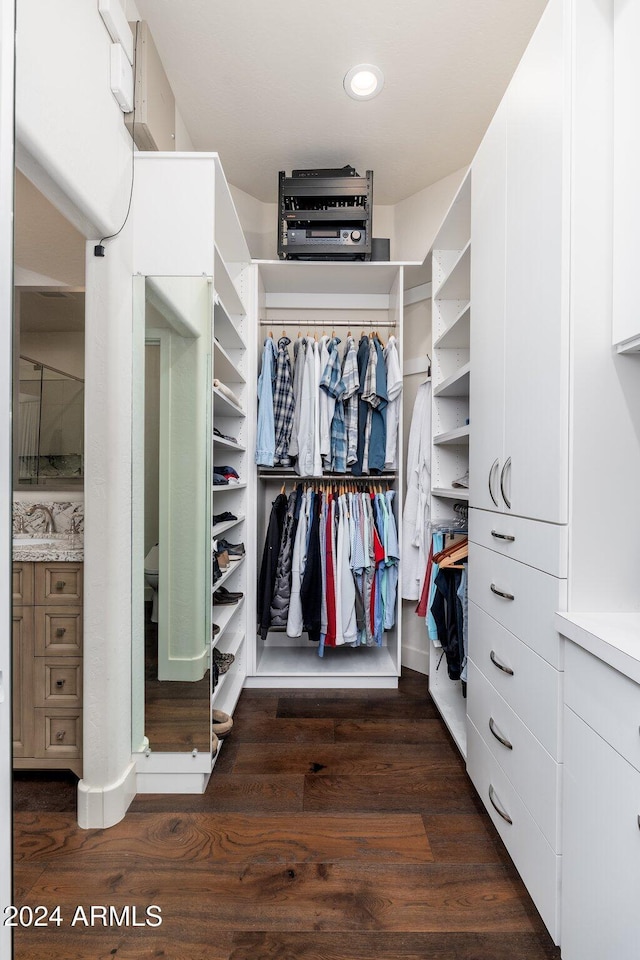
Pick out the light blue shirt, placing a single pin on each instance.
(266, 431)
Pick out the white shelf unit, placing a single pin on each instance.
(321, 297)
(232, 304)
(451, 377)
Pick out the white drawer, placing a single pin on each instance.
(532, 771)
(538, 544)
(530, 685)
(536, 862)
(520, 597)
(606, 700)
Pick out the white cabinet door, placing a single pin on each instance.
(601, 847)
(535, 478)
(486, 440)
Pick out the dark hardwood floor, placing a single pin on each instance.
(336, 826)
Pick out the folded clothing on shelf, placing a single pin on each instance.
(221, 517)
(227, 472)
(226, 392)
(224, 436)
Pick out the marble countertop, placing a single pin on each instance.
(64, 550)
(612, 637)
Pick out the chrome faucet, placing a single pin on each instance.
(50, 526)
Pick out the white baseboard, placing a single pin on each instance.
(106, 806)
(415, 659)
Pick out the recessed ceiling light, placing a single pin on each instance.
(364, 81)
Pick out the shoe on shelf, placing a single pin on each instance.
(215, 743)
(215, 628)
(223, 436)
(217, 572)
(223, 598)
(221, 723)
(235, 550)
(231, 593)
(223, 660)
(222, 556)
(227, 471)
(221, 517)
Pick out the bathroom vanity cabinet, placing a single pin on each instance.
(47, 665)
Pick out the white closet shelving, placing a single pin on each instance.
(320, 297)
(231, 305)
(451, 377)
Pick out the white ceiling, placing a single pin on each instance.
(260, 82)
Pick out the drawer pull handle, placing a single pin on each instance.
(499, 665)
(60, 631)
(507, 466)
(60, 683)
(60, 584)
(502, 536)
(61, 734)
(501, 593)
(494, 466)
(499, 810)
(500, 739)
(639, 821)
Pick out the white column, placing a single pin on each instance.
(108, 784)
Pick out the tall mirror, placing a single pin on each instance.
(171, 563)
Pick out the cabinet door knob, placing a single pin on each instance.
(497, 808)
(60, 631)
(502, 536)
(501, 593)
(61, 734)
(499, 737)
(499, 665)
(60, 683)
(60, 584)
(507, 465)
(494, 467)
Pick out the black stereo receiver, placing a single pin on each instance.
(325, 215)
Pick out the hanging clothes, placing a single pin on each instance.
(394, 397)
(282, 585)
(308, 438)
(351, 383)
(265, 436)
(298, 372)
(363, 407)
(268, 567)
(298, 563)
(326, 403)
(416, 512)
(336, 567)
(283, 404)
(375, 395)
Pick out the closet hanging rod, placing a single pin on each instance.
(330, 324)
(340, 477)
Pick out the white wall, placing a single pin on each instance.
(70, 135)
(418, 218)
(72, 143)
(63, 351)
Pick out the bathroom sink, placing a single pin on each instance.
(53, 540)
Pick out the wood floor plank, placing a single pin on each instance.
(249, 794)
(432, 897)
(25, 874)
(390, 731)
(432, 759)
(249, 707)
(354, 708)
(394, 791)
(393, 946)
(464, 838)
(272, 730)
(77, 943)
(223, 839)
